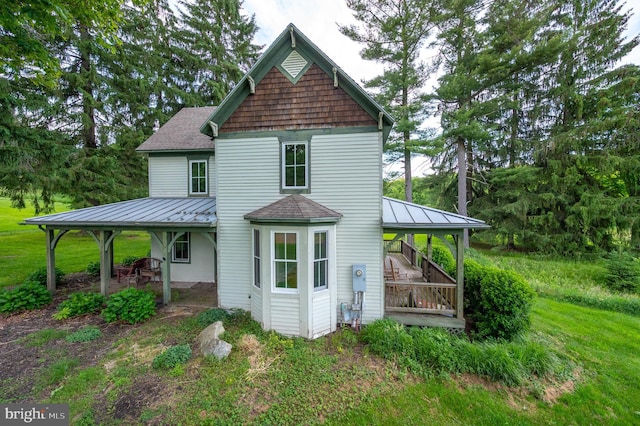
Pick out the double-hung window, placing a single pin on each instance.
(285, 260)
(198, 177)
(256, 258)
(181, 249)
(295, 165)
(320, 261)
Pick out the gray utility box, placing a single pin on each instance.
(359, 278)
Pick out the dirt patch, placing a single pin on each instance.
(24, 364)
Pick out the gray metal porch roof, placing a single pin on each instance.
(136, 214)
(398, 215)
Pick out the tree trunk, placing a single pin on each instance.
(462, 185)
(88, 109)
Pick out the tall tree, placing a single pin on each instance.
(214, 48)
(394, 33)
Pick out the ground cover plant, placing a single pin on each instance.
(80, 303)
(131, 305)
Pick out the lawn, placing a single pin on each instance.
(23, 247)
(269, 379)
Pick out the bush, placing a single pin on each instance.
(130, 305)
(40, 276)
(623, 273)
(443, 257)
(503, 310)
(79, 303)
(388, 338)
(85, 334)
(93, 269)
(130, 260)
(473, 274)
(173, 356)
(30, 295)
(210, 316)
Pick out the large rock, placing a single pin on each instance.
(210, 343)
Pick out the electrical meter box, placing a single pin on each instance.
(359, 278)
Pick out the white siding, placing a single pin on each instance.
(285, 314)
(321, 314)
(201, 267)
(256, 305)
(248, 171)
(168, 176)
(346, 176)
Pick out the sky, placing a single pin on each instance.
(319, 19)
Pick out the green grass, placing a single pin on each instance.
(23, 247)
(42, 337)
(607, 390)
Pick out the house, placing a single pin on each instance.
(276, 196)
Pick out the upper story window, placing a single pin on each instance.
(198, 177)
(295, 165)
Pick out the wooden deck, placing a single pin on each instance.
(412, 300)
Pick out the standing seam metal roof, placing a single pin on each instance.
(399, 214)
(181, 212)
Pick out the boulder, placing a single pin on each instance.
(210, 342)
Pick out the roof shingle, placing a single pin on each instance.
(181, 132)
(294, 208)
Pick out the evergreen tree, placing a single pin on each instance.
(394, 33)
(214, 49)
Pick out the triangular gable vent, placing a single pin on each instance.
(294, 64)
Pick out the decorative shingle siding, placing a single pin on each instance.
(312, 103)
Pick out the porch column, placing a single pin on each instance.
(459, 275)
(166, 268)
(105, 242)
(51, 260)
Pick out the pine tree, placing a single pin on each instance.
(214, 49)
(394, 33)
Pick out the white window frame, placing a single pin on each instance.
(205, 177)
(274, 287)
(317, 260)
(284, 166)
(257, 258)
(174, 258)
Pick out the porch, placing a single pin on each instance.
(418, 291)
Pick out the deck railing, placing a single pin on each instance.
(421, 297)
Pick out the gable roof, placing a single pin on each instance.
(294, 208)
(137, 214)
(181, 132)
(290, 40)
(402, 215)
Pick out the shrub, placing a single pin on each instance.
(172, 357)
(433, 349)
(503, 310)
(129, 260)
(130, 305)
(30, 295)
(210, 316)
(443, 257)
(623, 273)
(93, 268)
(80, 303)
(85, 334)
(388, 338)
(40, 276)
(473, 274)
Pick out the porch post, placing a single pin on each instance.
(459, 275)
(104, 241)
(166, 268)
(51, 260)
